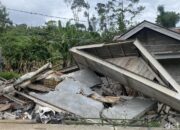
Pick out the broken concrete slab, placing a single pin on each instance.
(130, 109)
(73, 86)
(85, 76)
(73, 103)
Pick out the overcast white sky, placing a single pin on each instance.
(59, 8)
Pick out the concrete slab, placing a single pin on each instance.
(73, 86)
(85, 76)
(129, 109)
(73, 103)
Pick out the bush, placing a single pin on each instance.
(9, 75)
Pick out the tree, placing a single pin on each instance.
(167, 19)
(93, 21)
(87, 15)
(77, 6)
(4, 20)
(118, 13)
(102, 12)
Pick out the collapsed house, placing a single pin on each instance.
(143, 64)
(121, 80)
(145, 58)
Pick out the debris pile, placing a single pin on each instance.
(47, 96)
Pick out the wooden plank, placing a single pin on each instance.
(158, 66)
(135, 64)
(69, 69)
(12, 98)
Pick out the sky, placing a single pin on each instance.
(59, 8)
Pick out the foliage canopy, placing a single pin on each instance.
(24, 47)
(167, 19)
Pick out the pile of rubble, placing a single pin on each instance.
(49, 96)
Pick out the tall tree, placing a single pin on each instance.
(167, 19)
(4, 19)
(77, 6)
(102, 12)
(118, 13)
(93, 22)
(87, 15)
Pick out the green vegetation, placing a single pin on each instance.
(167, 19)
(25, 48)
(154, 123)
(9, 75)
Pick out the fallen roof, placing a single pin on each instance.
(149, 25)
(91, 58)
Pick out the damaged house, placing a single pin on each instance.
(146, 58)
(121, 80)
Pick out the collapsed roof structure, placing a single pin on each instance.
(161, 43)
(149, 62)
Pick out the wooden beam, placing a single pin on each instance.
(158, 66)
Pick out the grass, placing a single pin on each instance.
(154, 124)
(9, 75)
